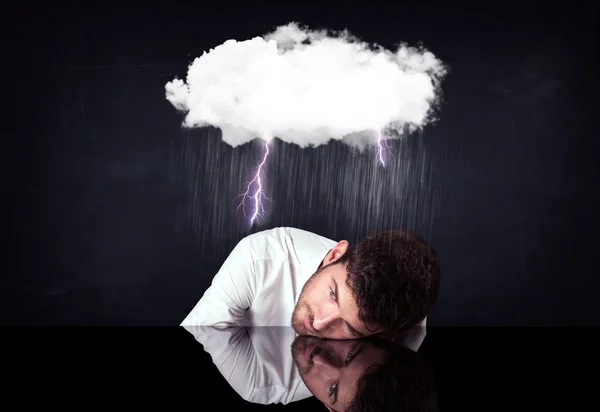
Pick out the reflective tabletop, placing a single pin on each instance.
(261, 367)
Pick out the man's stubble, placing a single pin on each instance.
(302, 308)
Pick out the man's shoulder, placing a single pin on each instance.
(280, 234)
(279, 241)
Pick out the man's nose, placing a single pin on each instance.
(324, 317)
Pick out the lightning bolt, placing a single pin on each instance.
(256, 198)
(380, 140)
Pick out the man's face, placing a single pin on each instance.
(331, 368)
(326, 307)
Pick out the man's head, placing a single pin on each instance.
(386, 283)
(365, 375)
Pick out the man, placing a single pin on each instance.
(385, 283)
(364, 375)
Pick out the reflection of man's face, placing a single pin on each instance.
(326, 307)
(331, 368)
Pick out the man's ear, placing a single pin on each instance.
(337, 252)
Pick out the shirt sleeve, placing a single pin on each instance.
(232, 352)
(414, 337)
(230, 294)
(256, 362)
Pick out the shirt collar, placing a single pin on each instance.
(310, 266)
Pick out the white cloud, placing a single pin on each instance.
(307, 87)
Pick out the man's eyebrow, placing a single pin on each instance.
(352, 329)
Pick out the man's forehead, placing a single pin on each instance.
(348, 384)
(349, 310)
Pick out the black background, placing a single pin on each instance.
(122, 217)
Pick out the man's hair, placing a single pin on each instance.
(394, 276)
(403, 382)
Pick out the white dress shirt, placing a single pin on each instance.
(260, 281)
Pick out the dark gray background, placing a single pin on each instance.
(122, 217)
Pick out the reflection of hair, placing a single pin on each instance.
(394, 276)
(402, 382)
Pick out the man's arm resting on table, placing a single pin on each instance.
(230, 294)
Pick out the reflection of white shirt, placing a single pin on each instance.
(257, 362)
(260, 281)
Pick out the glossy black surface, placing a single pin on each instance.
(473, 368)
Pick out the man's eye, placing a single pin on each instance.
(333, 389)
(332, 294)
(349, 357)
